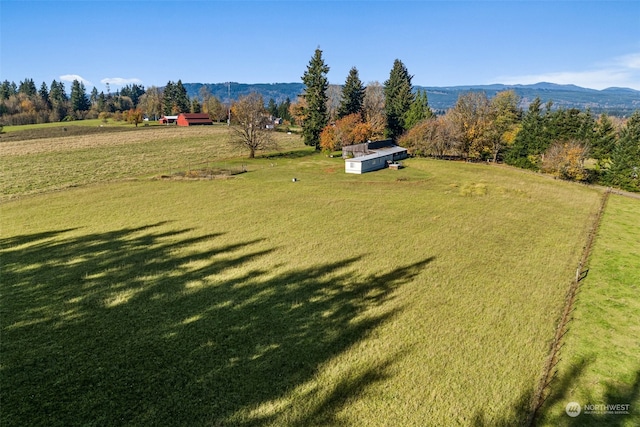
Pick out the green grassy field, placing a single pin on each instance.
(425, 296)
(94, 154)
(72, 123)
(600, 364)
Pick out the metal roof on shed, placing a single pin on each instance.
(381, 152)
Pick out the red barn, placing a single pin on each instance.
(192, 119)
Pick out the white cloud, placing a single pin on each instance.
(71, 77)
(623, 71)
(119, 81)
(630, 61)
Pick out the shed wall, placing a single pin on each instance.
(353, 167)
(375, 163)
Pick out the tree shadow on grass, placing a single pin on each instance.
(562, 388)
(146, 326)
(604, 411)
(520, 411)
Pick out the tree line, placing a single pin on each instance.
(24, 103)
(568, 143)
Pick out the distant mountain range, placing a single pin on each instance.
(613, 101)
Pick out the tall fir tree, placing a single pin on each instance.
(57, 93)
(28, 87)
(625, 159)
(175, 99)
(58, 99)
(419, 110)
(5, 90)
(93, 98)
(530, 140)
(44, 94)
(398, 99)
(79, 99)
(182, 99)
(272, 108)
(283, 110)
(168, 99)
(604, 140)
(352, 95)
(315, 80)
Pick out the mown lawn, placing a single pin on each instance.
(600, 364)
(425, 296)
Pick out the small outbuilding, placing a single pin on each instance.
(194, 119)
(165, 120)
(371, 156)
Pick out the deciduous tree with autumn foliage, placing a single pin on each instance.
(134, 116)
(348, 130)
(565, 160)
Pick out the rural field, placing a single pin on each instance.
(600, 364)
(424, 296)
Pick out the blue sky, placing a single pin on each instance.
(593, 44)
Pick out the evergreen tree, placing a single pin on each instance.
(196, 107)
(168, 99)
(28, 87)
(283, 110)
(625, 159)
(352, 95)
(79, 100)
(398, 99)
(5, 90)
(134, 92)
(315, 80)
(58, 99)
(57, 93)
(419, 110)
(604, 140)
(102, 102)
(94, 96)
(175, 99)
(587, 129)
(530, 140)
(571, 124)
(182, 99)
(272, 108)
(44, 94)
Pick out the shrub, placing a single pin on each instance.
(565, 160)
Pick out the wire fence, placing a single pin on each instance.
(543, 390)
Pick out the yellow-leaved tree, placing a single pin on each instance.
(565, 159)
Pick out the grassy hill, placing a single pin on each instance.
(425, 296)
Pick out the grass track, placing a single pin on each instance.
(600, 364)
(425, 296)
